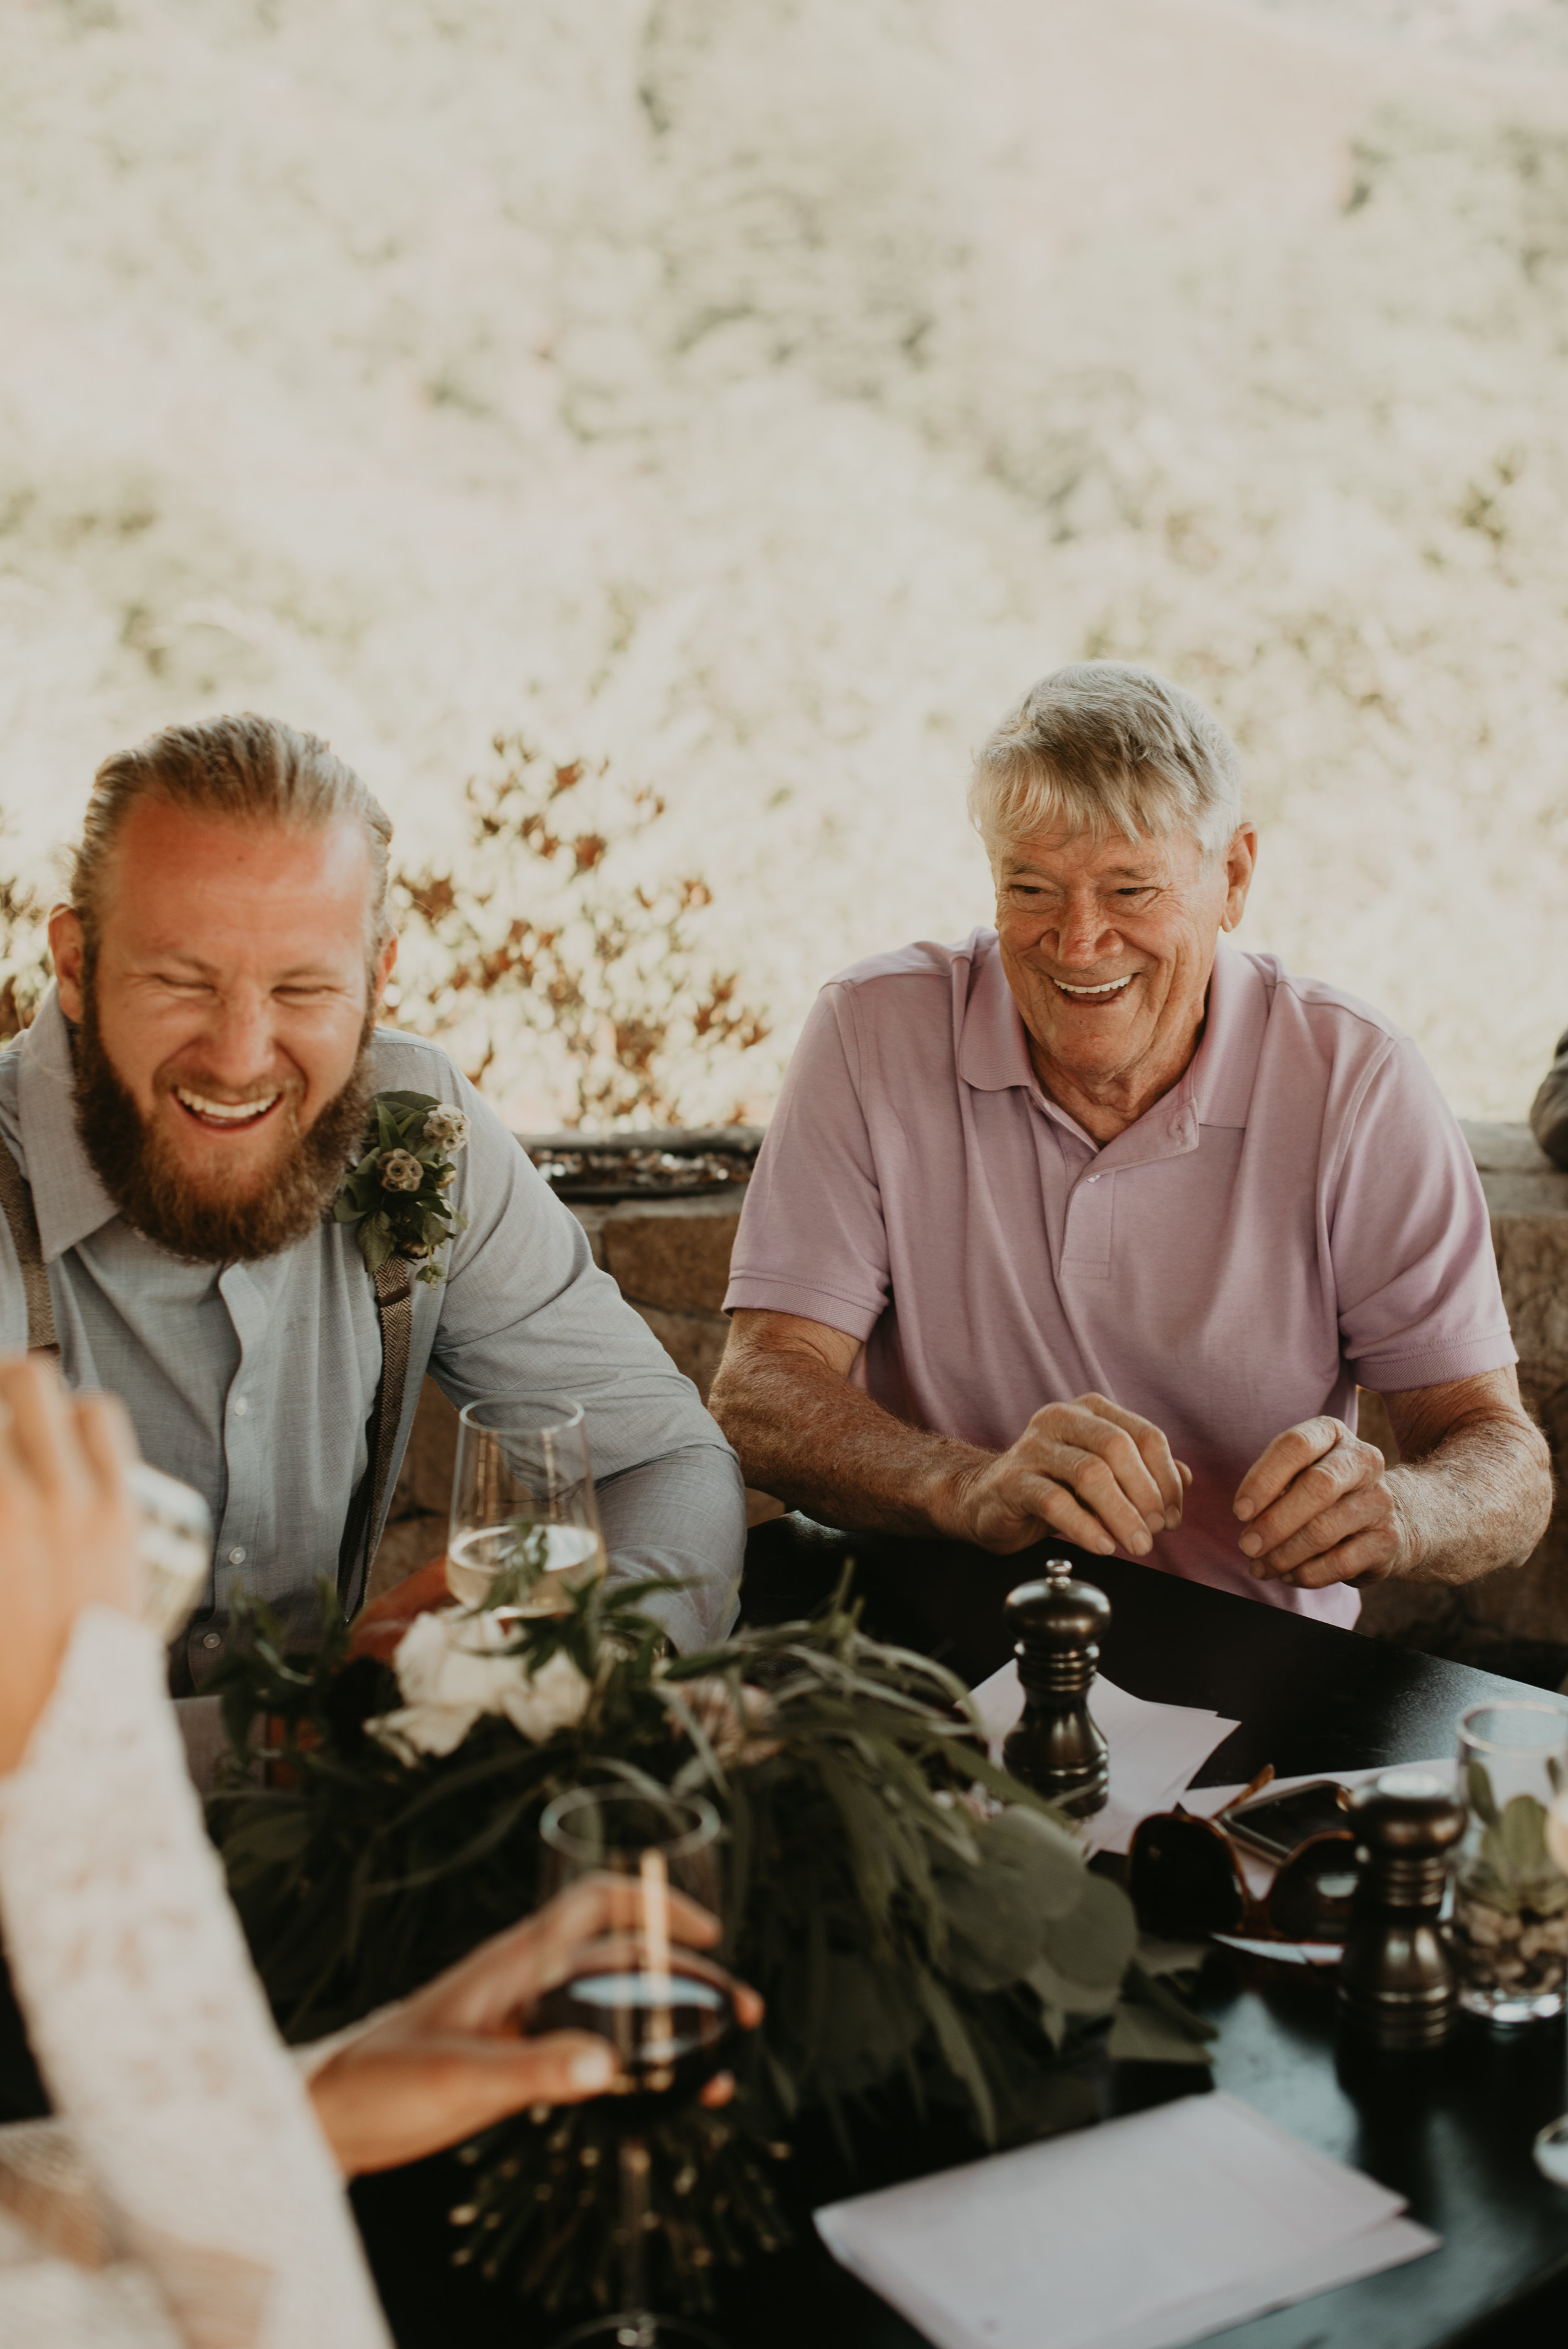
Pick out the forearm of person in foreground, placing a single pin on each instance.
(1473, 1491)
(1087, 1470)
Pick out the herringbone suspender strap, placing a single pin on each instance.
(16, 1199)
(395, 1310)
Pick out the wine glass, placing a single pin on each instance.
(667, 2012)
(1508, 1933)
(524, 1524)
(1552, 2143)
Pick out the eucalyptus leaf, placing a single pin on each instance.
(1094, 1943)
(1027, 1873)
(1478, 1790)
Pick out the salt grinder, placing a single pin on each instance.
(1397, 1983)
(1058, 1625)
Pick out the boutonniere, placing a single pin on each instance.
(396, 1192)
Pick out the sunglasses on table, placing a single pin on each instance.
(1187, 1882)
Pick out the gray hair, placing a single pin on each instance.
(1102, 747)
(249, 770)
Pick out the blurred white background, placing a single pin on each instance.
(760, 393)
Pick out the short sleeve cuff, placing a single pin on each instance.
(750, 1292)
(1393, 1372)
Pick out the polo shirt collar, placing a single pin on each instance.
(69, 1200)
(993, 1046)
(1217, 1084)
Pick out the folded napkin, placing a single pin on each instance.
(1142, 2233)
(1156, 1750)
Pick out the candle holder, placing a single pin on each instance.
(1058, 1625)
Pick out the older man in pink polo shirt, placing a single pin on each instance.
(1093, 1226)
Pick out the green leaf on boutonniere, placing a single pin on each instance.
(396, 1193)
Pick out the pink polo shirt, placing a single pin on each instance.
(1298, 1217)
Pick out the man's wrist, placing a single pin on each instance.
(950, 1500)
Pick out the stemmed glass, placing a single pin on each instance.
(1510, 1927)
(667, 2012)
(524, 1524)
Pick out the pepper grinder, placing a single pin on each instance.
(1058, 1625)
(1397, 1987)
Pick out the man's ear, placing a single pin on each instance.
(386, 962)
(68, 948)
(1241, 863)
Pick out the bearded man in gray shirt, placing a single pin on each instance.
(182, 1111)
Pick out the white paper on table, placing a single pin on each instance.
(1155, 1749)
(1143, 2234)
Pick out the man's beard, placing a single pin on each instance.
(137, 1165)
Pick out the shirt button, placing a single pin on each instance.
(241, 1406)
(237, 1557)
(211, 1639)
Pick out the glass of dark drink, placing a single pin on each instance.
(665, 2009)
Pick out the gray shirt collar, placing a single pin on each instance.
(69, 1199)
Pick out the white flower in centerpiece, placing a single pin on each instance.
(448, 1126)
(453, 1666)
(400, 1170)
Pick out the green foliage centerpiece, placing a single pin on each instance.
(907, 1911)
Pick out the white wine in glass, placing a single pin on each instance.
(524, 1527)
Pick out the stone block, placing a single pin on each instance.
(673, 1253)
(694, 1342)
(1527, 1197)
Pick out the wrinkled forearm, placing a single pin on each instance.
(818, 1443)
(1478, 1501)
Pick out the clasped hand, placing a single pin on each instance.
(1316, 1505)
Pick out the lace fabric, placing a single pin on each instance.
(186, 2196)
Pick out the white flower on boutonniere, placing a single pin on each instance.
(452, 1667)
(448, 1127)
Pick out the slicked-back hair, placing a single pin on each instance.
(245, 769)
(1105, 748)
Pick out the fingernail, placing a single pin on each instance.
(1252, 1544)
(1172, 1519)
(1244, 1510)
(1155, 1525)
(594, 2067)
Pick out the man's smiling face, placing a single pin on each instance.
(230, 997)
(1108, 945)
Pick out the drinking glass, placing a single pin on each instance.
(667, 2012)
(524, 1524)
(1510, 1927)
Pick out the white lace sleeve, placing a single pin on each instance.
(150, 2028)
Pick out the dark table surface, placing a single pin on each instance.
(1452, 2131)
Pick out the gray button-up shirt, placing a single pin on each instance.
(254, 1383)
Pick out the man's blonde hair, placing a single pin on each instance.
(248, 770)
(1102, 747)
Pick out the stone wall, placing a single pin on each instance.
(1527, 1607)
(670, 1259)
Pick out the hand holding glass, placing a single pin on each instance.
(668, 2013)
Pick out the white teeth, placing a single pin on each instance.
(225, 1112)
(1111, 986)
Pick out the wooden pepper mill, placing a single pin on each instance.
(1397, 1987)
(1058, 1625)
